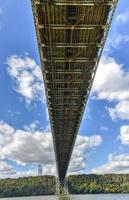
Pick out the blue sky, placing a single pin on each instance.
(25, 136)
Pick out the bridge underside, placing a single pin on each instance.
(71, 35)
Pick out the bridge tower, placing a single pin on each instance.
(61, 187)
(40, 170)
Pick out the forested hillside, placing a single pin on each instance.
(79, 184)
(109, 183)
(31, 186)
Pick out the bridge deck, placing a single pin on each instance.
(71, 35)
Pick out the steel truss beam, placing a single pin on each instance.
(54, 72)
(63, 82)
(81, 27)
(82, 60)
(75, 3)
(73, 45)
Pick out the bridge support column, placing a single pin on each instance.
(61, 187)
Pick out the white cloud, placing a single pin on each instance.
(6, 169)
(83, 143)
(111, 83)
(104, 128)
(118, 37)
(47, 170)
(31, 172)
(122, 17)
(115, 164)
(115, 41)
(124, 135)
(120, 111)
(27, 77)
(26, 147)
(32, 127)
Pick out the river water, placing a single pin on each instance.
(76, 197)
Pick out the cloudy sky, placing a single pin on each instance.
(102, 145)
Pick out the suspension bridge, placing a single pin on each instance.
(71, 35)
